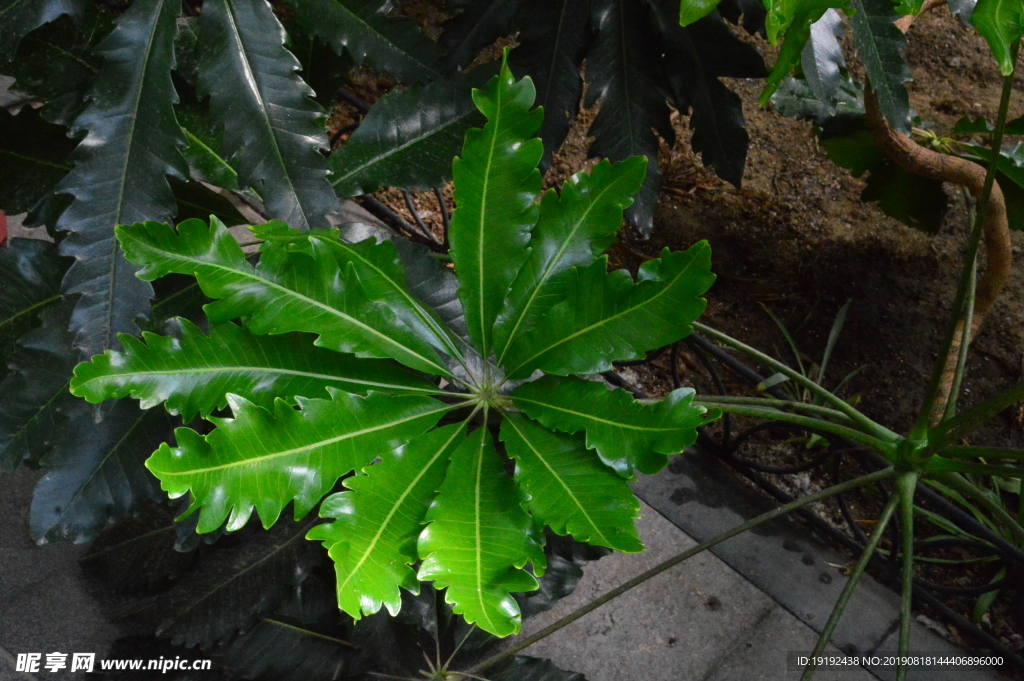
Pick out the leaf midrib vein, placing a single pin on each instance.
(307, 447)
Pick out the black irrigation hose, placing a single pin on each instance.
(350, 99)
(424, 230)
(445, 217)
(342, 131)
(395, 221)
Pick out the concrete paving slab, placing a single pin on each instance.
(760, 655)
(46, 604)
(678, 625)
(788, 563)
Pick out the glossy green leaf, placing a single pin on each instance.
(694, 10)
(553, 37)
(36, 390)
(205, 165)
(1001, 23)
(403, 135)
(273, 130)
(622, 76)
(570, 489)
(382, 277)
(880, 45)
(289, 290)
(194, 373)
(364, 29)
(18, 17)
(627, 434)
(606, 317)
(479, 538)
(262, 459)
(95, 474)
(120, 170)
(373, 537)
(574, 228)
(496, 186)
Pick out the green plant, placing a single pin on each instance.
(319, 313)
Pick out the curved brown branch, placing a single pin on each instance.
(914, 158)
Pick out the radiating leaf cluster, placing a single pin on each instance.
(334, 369)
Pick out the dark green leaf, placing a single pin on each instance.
(364, 29)
(29, 279)
(495, 190)
(523, 668)
(880, 45)
(322, 69)
(273, 131)
(193, 373)
(55, 66)
(553, 39)
(36, 388)
(917, 201)
(568, 487)
(622, 74)
(606, 317)
(19, 17)
(262, 459)
(1001, 23)
(480, 24)
(231, 588)
(198, 202)
(697, 56)
(290, 289)
(206, 166)
(95, 470)
(574, 228)
(373, 537)
(279, 649)
(33, 158)
(479, 538)
(401, 140)
(137, 555)
(914, 200)
(627, 435)
(120, 171)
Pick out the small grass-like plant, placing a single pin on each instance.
(338, 367)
